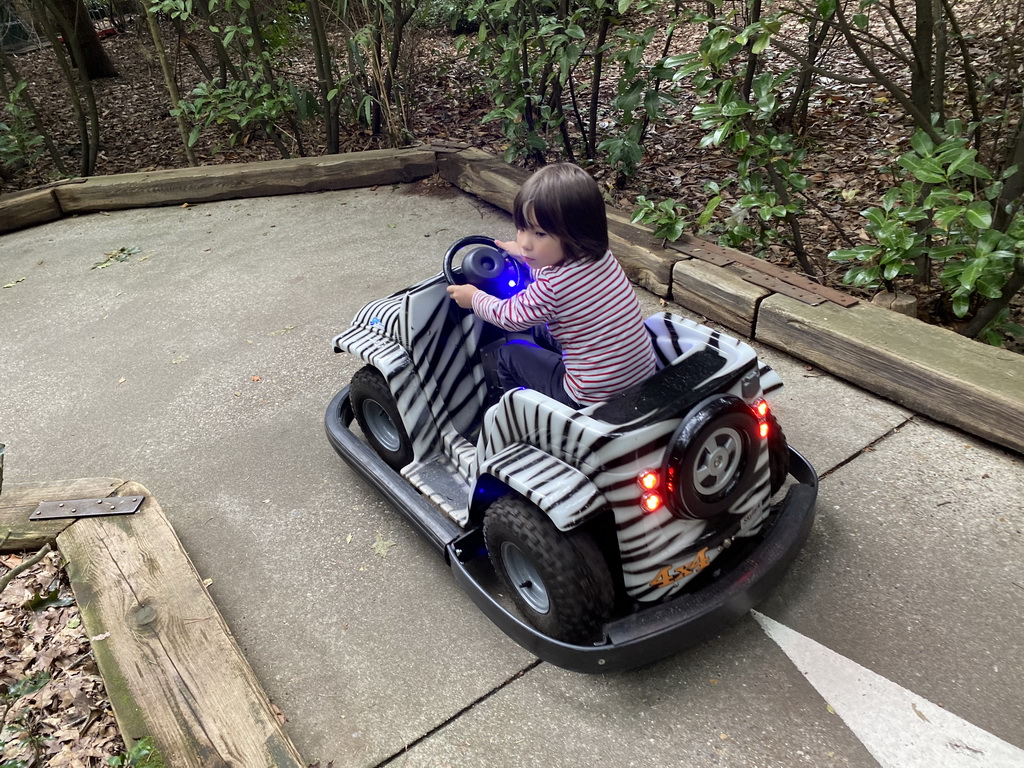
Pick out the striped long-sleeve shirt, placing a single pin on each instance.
(592, 311)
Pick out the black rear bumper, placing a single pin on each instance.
(649, 634)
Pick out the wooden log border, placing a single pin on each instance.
(915, 373)
(171, 668)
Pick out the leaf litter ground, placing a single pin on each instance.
(41, 633)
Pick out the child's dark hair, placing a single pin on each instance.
(564, 201)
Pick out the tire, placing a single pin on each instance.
(560, 582)
(712, 457)
(778, 454)
(377, 414)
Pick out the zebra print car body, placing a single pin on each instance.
(573, 464)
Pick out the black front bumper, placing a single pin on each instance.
(649, 634)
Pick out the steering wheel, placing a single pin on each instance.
(486, 266)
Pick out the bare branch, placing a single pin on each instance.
(8, 577)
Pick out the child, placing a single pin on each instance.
(579, 290)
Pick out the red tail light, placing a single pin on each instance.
(649, 480)
(651, 501)
(761, 411)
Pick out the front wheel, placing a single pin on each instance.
(377, 414)
(559, 581)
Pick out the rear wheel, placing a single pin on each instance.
(559, 581)
(377, 414)
(778, 454)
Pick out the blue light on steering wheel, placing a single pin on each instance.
(513, 279)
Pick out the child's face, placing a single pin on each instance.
(540, 249)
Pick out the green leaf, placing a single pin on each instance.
(979, 214)
(739, 141)
(972, 271)
(892, 270)
(28, 685)
(922, 144)
(761, 44)
(736, 108)
(961, 304)
(960, 157)
(990, 286)
(924, 169)
(40, 601)
(709, 210)
(715, 137)
(945, 216)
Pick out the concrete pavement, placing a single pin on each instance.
(200, 366)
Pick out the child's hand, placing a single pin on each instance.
(511, 248)
(463, 295)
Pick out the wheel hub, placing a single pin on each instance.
(383, 428)
(523, 574)
(718, 460)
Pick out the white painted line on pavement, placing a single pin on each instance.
(899, 728)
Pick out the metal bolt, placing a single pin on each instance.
(61, 504)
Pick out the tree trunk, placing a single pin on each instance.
(95, 60)
(921, 74)
(595, 85)
(48, 20)
(325, 74)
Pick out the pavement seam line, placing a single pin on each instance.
(472, 705)
(870, 446)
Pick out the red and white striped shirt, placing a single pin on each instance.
(592, 311)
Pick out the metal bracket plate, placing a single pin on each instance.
(112, 505)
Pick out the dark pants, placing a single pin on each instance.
(522, 364)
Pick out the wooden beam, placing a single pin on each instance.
(650, 269)
(228, 182)
(642, 255)
(483, 175)
(171, 667)
(717, 293)
(26, 209)
(19, 500)
(933, 371)
(777, 279)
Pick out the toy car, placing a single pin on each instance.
(623, 531)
